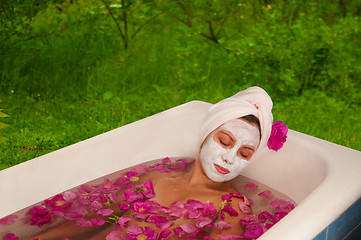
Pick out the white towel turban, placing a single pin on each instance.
(252, 101)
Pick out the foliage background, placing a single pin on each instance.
(72, 69)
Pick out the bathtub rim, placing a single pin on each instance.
(326, 190)
(290, 225)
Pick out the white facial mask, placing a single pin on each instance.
(222, 164)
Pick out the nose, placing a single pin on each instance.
(226, 161)
(228, 158)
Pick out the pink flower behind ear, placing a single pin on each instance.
(278, 135)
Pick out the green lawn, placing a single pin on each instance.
(73, 79)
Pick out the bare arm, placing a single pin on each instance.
(69, 230)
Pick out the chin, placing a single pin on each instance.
(222, 178)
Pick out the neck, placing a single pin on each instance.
(197, 177)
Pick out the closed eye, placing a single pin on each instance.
(244, 155)
(246, 152)
(224, 139)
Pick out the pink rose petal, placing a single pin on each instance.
(122, 221)
(282, 205)
(58, 203)
(221, 224)
(123, 206)
(179, 231)
(150, 233)
(39, 215)
(209, 210)
(75, 213)
(160, 222)
(164, 234)
(188, 228)
(97, 221)
(249, 219)
(141, 169)
(268, 226)
(134, 230)
(278, 136)
(204, 222)
(244, 208)
(142, 207)
(114, 235)
(250, 186)
(84, 223)
(193, 205)
(8, 220)
(248, 201)
(10, 236)
(140, 216)
(230, 210)
(278, 216)
(253, 231)
(105, 212)
(265, 194)
(69, 196)
(264, 216)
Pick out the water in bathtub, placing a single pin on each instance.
(122, 205)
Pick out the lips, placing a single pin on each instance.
(220, 169)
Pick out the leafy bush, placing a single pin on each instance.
(76, 74)
(2, 125)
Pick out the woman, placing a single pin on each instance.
(234, 130)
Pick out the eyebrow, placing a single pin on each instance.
(230, 135)
(250, 148)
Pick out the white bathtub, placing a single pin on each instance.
(323, 178)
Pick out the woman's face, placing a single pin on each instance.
(227, 150)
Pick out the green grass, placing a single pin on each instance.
(39, 126)
(62, 88)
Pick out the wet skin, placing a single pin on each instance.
(181, 186)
